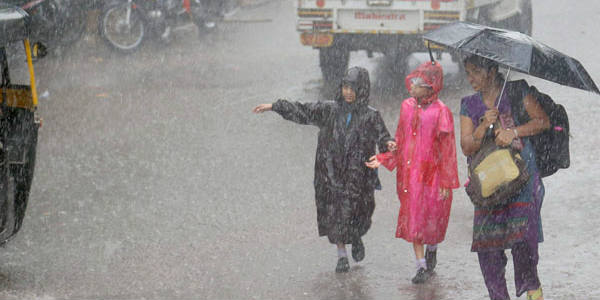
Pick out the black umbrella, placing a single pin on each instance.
(514, 50)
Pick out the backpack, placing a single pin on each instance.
(552, 145)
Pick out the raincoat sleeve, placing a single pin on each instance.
(388, 159)
(310, 113)
(383, 135)
(447, 145)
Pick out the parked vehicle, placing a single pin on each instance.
(18, 122)
(393, 27)
(126, 24)
(57, 23)
(210, 12)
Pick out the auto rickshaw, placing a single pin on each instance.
(18, 123)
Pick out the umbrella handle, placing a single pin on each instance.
(430, 54)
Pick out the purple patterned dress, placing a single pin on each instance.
(499, 228)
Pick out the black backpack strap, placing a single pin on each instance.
(516, 92)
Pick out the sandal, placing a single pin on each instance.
(537, 295)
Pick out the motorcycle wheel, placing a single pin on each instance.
(115, 31)
(73, 23)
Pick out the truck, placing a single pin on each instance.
(393, 27)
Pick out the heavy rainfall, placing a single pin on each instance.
(154, 179)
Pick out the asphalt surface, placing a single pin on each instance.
(154, 180)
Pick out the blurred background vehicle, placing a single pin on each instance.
(126, 24)
(394, 28)
(56, 23)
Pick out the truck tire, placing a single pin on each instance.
(393, 70)
(333, 62)
(397, 62)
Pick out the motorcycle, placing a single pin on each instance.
(212, 12)
(55, 22)
(126, 24)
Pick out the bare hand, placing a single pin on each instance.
(504, 137)
(373, 163)
(491, 116)
(444, 193)
(391, 145)
(262, 108)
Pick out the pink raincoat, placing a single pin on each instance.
(425, 162)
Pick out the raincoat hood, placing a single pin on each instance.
(358, 79)
(432, 74)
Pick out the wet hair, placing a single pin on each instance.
(484, 63)
(352, 78)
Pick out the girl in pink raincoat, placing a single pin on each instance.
(426, 166)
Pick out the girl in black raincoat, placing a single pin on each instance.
(350, 130)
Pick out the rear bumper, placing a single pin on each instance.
(376, 42)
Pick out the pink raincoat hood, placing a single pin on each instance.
(432, 73)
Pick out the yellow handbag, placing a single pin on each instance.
(496, 174)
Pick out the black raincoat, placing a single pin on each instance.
(348, 137)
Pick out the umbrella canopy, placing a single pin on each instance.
(514, 50)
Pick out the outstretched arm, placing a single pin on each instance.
(311, 113)
(261, 108)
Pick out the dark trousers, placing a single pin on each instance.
(493, 267)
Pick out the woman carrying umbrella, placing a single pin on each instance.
(516, 225)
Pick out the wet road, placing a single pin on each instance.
(155, 181)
